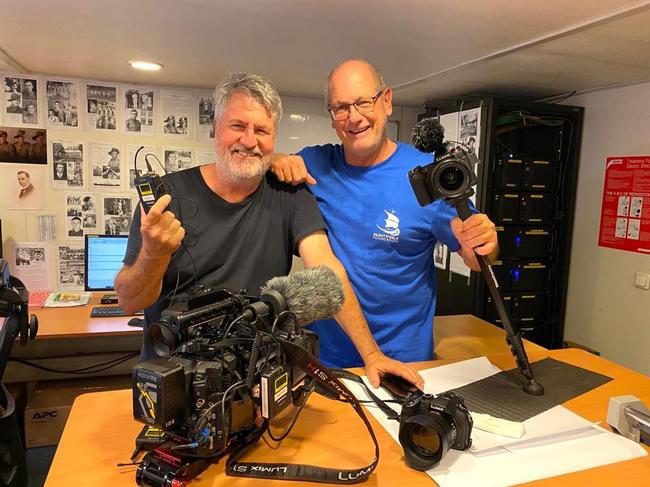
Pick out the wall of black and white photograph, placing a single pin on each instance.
(21, 100)
(75, 147)
(62, 103)
(118, 214)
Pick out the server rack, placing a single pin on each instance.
(527, 181)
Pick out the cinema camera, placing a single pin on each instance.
(227, 364)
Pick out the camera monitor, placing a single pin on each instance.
(104, 255)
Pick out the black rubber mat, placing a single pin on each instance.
(502, 395)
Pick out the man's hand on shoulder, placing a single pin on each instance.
(161, 232)
(378, 364)
(291, 169)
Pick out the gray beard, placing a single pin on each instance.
(241, 172)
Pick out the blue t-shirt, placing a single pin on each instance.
(385, 240)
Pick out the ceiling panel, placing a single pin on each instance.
(296, 43)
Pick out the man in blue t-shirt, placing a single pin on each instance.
(376, 227)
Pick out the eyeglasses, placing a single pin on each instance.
(363, 106)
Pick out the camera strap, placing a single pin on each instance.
(289, 471)
(386, 409)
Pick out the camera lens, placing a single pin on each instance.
(426, 441)
(451, 178)
(163, 339)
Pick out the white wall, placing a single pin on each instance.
(604, 309)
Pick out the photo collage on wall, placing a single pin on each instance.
(67, 151)
(81, 214)
(21, 101)
(118, 214)
(67, 165)
(101, 107)
(106, 166)
(71, 267)
(62, 103)
(139, 111)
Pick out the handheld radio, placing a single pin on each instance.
(149, 186)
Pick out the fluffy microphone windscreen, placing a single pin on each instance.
(428, 135)
(312, 294)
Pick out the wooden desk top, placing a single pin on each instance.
(100, 433)
(464, 336)
(76, 322)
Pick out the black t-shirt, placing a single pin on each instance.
(234, 245)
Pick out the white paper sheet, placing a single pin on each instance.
(30, 262)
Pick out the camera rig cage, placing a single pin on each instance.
(228, 364)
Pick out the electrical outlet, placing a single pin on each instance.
(642, 280)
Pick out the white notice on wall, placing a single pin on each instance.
(30, 262)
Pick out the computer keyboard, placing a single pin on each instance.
(108, 311)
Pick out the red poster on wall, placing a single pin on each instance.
(625, 213)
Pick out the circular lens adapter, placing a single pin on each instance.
(426, 439)
(450, 178)
(163, 339)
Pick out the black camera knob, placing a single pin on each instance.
(410, 401)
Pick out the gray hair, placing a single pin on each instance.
(376, 73)
(253, 85)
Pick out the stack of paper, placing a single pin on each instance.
(66, 300)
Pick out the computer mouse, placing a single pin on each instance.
(136, 322)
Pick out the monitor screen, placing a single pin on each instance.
(104, 255)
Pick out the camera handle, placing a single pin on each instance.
(513, 338)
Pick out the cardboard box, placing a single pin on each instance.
(50, 404)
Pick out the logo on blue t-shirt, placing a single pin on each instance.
(390, 230)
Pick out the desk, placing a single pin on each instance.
(66, 338)
(66, 332)
(465, 336)
(75, 322)
(100, 433)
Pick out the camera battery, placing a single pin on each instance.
(275, 391)
(158, 393)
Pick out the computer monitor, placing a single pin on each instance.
(104, 255)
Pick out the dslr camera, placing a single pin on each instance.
(431, 425)
(450, 176)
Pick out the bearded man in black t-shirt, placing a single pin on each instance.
(238, 227)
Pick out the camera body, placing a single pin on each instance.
(431, 425)
(450, 176)
(222, 370)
